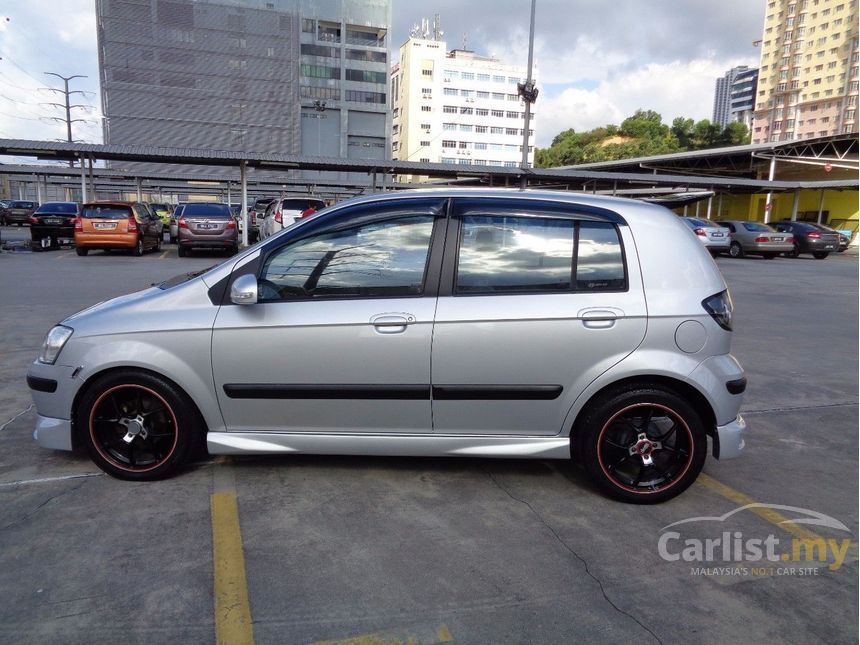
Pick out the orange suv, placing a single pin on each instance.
(117, 225)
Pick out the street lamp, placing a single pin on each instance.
(529, 93)
(319, 106)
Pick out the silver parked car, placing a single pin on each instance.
(714, 238)
(480, 323)
(755, 238)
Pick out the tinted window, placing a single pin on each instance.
(515, 254)
(108, 211)
(58, 207)
(694, 223)
(599, 259)
(377, 259)
(22, 205)
(755, 227)
(207, 210)
(301, 204)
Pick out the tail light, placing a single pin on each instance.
(700, 232)
(33, 220)
(721, 309)
(132, 224)
(278, 217)
(308, 212)
(182, 223)
(79, 224)
(790, 239)
(813, 236)
(231, 223)
(762, 239)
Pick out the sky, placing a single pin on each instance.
(597, 61)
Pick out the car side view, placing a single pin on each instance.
(479, 323)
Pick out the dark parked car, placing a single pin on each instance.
(207, 225)
(20, 212)
(4, 204)
(809, 237)
(52, 222)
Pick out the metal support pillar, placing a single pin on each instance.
(768, 204)
(92, 178)
(697, 208)
(137, 187)
(720, 206)
(229, 193)
(22, 188)
(710, 202)
(83, 181)
(39, 197)
(243, 177)
(794, 205)
(820, 206)
(686, 206)
(614, 187)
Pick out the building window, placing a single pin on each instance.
(450, 74)
(425, 127)
(425, 144)
(427, 72)
(364, 97)
(483, 95)
(483, 77)
(447, 143)
(498, 79)
(480, 146)
(498, 96)
(495, 130)
(366, 55)
(320, 50)
(328, 33)
(449, 126)
(513, 115)
(449, 109)
(464, 145)
(498, 113)
(450, 91)
(426, 108)
(307, 25)
(465, 127)
(467, 76)
(513, 131)
(481, 129)
(467, 110)
(365, 76)
(513, 97)
(319, 71)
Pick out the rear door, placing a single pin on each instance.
(536, 300)
(105, 220)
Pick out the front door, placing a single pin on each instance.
(340, 339)
(536, 304)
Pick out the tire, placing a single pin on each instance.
(770, 256)
(80, 251)
(820, 255)
(672, 437)
(138, 249)
(182, 251)
(794, 253)
(736, 250)
(233, 250)
(137, 426)
(158, 242)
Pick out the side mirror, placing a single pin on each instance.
(244, 290)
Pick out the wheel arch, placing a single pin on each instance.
(77, 443)
(684, 389)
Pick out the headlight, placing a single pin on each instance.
(720, 307)
(54, 342)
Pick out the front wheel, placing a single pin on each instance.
(138, 248)
(136, 425)
(736, 250)
(642, 445)
(80, 251)
(182, 251)
(820, 255)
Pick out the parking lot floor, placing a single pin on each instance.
(373, 550)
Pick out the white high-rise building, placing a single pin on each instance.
(457, 107)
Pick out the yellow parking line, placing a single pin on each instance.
(163, 255)
(232, 608)
(767, 514)
(424, 635)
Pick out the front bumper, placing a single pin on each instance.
(53, 433)
(729, 439)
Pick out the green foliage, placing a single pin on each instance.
(642, 135)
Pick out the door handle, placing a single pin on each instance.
(599, 318)
(393, 323)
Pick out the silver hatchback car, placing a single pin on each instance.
(479, 323)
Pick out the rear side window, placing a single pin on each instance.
(106, 212)
(207, 210)
(524, 255)
(58, 207)
(22, 205)
(300, 204)
(755, 227)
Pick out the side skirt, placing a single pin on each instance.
(259, 443)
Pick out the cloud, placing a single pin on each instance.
(677, 88)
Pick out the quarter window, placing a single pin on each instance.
(386, 258)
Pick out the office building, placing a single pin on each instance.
(808, 76)
(742, 94)
(456, 107)
(302, 77)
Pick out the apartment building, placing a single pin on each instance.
(457, 107)
(808, 76)
(723, 96)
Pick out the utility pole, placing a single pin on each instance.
(68, 107)
(529, 94)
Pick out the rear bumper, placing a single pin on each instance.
(768, 248)
(107, 241)
(17, 219)
(716, 244)
(729, 439)
(38, 231)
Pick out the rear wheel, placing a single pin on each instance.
(795, 252)
(182, 251)
(80, 251)
(137, 426)
(233, 250)
(769, 256)
(820, 255)
(736, 250)
(138, 248)
(158, 242)
(642, 445)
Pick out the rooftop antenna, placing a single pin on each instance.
(465, 40)
(437, 27)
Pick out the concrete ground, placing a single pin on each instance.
(371, 550)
